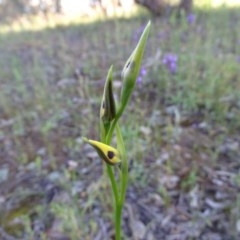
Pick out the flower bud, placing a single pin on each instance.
(131, 69)
(108, 110)
(109, 154)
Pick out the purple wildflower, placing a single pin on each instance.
(139, 80)
(191, 18)
(238, 59)
(142, 73)
(170, 61)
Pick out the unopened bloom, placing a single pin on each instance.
(109, 154)
(131, 69)
(107, 110)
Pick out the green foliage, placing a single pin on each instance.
(190, 181)
(45, 110)
(109, 121)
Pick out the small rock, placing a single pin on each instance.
(92, 155)
(203, 126)
(194, 195)
(54, 176)
(149, 236)
(77, 187)
(2, 200)
(72, 165)
(163, 158)
(169, 181)
(157, 199)
(216, 205)
(238, 225)
(139, 230)
(66, 82)
(4, 174)
(229, 147)
(41, 151)
(157, 119)
(145, 130)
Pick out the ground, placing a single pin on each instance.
(181, 129)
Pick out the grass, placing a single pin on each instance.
(51, 83)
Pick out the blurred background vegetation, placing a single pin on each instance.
(182, 128)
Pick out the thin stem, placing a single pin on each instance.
(124, 167)
(118, 218)
(119, 200)
(123, 181)
(113, 182)
(110, 132)
(113, 125)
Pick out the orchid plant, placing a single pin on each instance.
(110, 113)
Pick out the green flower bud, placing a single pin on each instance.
(131, 69)
(109, 154)
(108, 109)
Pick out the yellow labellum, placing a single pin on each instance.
(109, 154)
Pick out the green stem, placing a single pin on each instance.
(124, 181)
(118, 218)
(113, 125)
(124, 166)
(113, 182)
(119, 200)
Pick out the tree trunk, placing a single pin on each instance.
(58, 6)
(186, 5)
(157, 7)
(160, 7)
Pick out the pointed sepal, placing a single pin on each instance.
(132, 67)
(108, 109)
